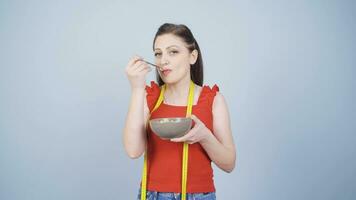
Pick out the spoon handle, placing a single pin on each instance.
(150, 63)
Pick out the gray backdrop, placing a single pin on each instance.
(286, 69)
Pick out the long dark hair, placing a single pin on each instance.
(182, 31)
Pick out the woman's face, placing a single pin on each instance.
(173, 58)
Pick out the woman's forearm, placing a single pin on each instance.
(134, 130)
(223, 156)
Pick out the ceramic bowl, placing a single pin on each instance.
(168, 128)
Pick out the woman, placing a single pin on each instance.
(179, 71)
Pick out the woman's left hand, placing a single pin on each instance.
(198, 133)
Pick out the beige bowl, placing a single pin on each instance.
(168, 128)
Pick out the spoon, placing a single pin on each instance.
(150, 63)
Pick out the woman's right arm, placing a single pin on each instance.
(134, 136)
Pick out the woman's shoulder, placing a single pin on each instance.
(208, 94)
(208, 89)
(216, 99)
(152, 93)
(152, 88)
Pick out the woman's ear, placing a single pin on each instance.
(193, 57)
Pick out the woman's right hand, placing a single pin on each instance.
(136, 71)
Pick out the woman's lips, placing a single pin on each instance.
(166, 72)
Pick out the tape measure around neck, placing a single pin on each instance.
(185, 146)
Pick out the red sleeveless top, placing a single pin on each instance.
(164, 170)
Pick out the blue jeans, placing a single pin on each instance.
(154, 195)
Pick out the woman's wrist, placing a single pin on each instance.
(137, 90)
(208, 138)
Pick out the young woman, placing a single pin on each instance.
(179, 71)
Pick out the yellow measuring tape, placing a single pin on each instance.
(185, 146)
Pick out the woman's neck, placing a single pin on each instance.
(177, 93)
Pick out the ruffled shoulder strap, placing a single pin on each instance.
(153, 92)
(207, 95)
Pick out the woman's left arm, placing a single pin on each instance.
(220, 145)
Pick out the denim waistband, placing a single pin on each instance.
(153, 195)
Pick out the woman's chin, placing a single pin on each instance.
(168, 80)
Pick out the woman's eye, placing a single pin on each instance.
(171, 53)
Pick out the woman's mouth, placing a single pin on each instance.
(166, 72)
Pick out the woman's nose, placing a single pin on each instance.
(164, 60)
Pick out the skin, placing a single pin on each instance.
(171, 53)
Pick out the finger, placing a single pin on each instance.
(145, 69)
(141, 65)
(133, 67)
(137, 65)
(196, 119)
(141, 68)
(190, 142)
(185, 137)
(176, 140)
(133, 60)
(180, 139)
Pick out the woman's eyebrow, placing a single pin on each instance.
(168, 47)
